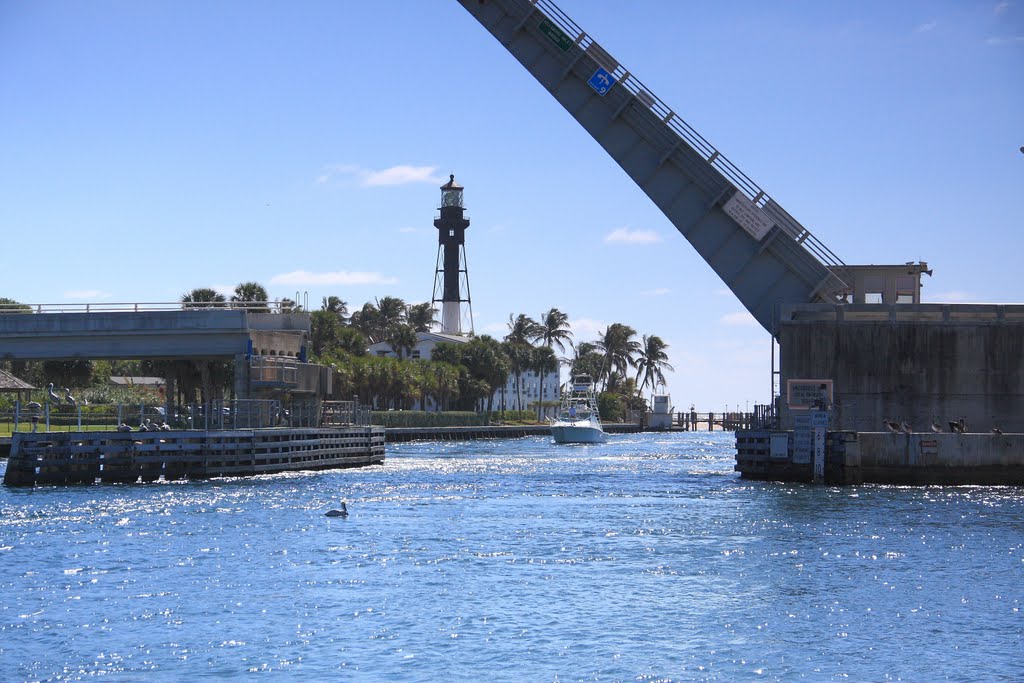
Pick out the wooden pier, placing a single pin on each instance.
(41, 458)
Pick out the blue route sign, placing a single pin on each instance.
(601, 81)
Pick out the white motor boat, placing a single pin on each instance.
(577, 420)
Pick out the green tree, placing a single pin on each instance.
(421, 317)
(651, 362)
(202, 297)
(324, 332)
(544, 361)
(12, 306)
(252, 296)
(552, 331)
(619, 348)
(522, 330)
(587, 360)
(69, 373)
(520, 360)
(335, 305)
(403, 340)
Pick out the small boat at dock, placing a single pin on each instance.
(577, 420)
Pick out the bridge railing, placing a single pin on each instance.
(686, 132)
(137, 307)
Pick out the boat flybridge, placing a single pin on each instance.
(577, 420)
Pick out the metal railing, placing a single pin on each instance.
(137, 307)
(686, 133)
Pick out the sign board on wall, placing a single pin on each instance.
(749, 217)
(804, 394)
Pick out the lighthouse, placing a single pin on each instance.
(451, 277)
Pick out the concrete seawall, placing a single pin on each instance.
(402, 434)
(891, 458)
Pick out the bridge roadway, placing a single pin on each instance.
(222, 333)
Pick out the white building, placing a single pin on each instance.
(504, 399)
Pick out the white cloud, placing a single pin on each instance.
(496, 330)
(657, 291)
(586, 329)
(339, 277)
(627, 236)
(87, 294)
(395, 175)
(739, 319)
(407, 229)
(926, 27)
(1007, 40)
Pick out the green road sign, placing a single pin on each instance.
(557, 35)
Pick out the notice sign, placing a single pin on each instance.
(804, 394)
(750, 218)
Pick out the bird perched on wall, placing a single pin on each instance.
(891, 426)
(906, 428)
(958, 427)
(936, 427)
(123, 427)
(54, 398)
(144, 427)
(963, 426)
(997, 430)
(69, 399)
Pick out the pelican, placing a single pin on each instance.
(343, 512)
(69, 399)
(936, 427)
(54, 398)
(955, 427)
(891, 426)
(123, 427)
(164, 427)
(905, 427)
(963, 426)
(144, 427)
(997, 430)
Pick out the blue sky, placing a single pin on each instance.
(149, 148)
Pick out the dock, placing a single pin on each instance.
(45, 458)
(912, 459)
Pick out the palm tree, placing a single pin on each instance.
(335, 305)
(543, 361)
(651, 361)
(519, 359)
(552, 331)
(250, 295)
(619, 348)
(421, 316)
(365, 320)
(522, 330)
(403, 339)
(202, 297)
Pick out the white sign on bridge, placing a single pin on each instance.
(750, 218)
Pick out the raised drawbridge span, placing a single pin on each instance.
(761, 252)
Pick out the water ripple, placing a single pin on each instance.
(645, 558)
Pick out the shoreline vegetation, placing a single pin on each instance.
(461, 379)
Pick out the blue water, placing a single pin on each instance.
(645, 558)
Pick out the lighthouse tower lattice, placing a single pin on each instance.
(451, 276)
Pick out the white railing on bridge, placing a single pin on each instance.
(137, 307)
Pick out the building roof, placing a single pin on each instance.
(137, 381)
(9, 382)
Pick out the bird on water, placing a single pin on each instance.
(343, 512)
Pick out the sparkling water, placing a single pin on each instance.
(644, 558)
